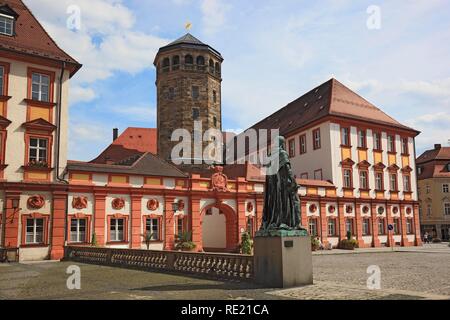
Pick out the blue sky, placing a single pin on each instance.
(274, 52)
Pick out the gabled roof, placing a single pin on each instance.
(30, 37)
(146, 165)
(440, 153)
(434, 163)
(131, 143)
(331, 98)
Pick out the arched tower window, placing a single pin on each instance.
(175, 62)
(166, 64)
(218, 68)
(200, 60)
(188, 59)
(211, 65)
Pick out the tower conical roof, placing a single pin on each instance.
(189, 41)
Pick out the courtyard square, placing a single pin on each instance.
(420, 273)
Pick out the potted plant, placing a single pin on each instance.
(246, 243)
(349, 243)
(94, 240)
(184, 242)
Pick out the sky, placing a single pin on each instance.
(393, 53)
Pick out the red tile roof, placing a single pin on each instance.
(433, 163)
(132, 143)
(331, 98)
(31, 38)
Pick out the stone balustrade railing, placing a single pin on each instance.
(210, 265)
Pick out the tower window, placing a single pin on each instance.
(188, 59)
(200, 60)
(175, 62)
(166, 64)
(211, 66)
(195, 92)
(195, 113)
(217, 68)
(214, 96)
(6, 25)
(215, 121)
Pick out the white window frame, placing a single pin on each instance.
(41, 92)
(316, 136)
(39, 149)
(429, 210)
(331, 230)
(445, 188)
(376, 141)
(361, 138)
(447, 208)
(406, 183)
(345, 136)
(393, 184)
(391, 143)
(313, 227)
(379, 181)
(302, 144)
(365, 226)
(347, 178)
(381, 223)
(291, 145)
(363, 180)
(409, 224)
(149, 224)
(6, 20)
(115, 234)
(78, 232)
(34, 233)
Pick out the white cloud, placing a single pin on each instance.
(214, 15)
(434, 129)
(136, 113)
(80, 94)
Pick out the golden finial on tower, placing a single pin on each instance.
(188, 26)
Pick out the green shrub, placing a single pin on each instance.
(94, 240)
(347, 244)
(246, 243)
(315, 244)
(184, 242)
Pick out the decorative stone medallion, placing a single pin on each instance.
(331, 209)
(152, 204)
(250, 207)
(365, 209)
(79, 203)
(312, 208)
(219, 181)
(36, 202)
(118, 203)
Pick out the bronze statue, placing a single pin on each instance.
(281, 203)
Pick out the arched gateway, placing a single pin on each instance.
(219, 228)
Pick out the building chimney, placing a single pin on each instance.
(437, 146)
(115, 134)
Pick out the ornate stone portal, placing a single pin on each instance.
(282, 246)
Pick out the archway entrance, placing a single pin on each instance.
(219, 229)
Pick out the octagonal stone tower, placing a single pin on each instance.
(188, 88)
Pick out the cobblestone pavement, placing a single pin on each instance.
(404, 275)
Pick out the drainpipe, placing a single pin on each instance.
(58, 148)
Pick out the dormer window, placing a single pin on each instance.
(6, 25)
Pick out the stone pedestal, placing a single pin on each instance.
(283, 261)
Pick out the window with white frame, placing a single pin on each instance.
(291, 144)
(303, 144)
(38, 150)
(407, 183)
(429, 210)
(409, 229)
(349, 226)
(117, 230)
(313, 227)
(391, 143)
(405, 149)
(152, 226)
(379, 181)
(445, 188)
(381, 228)
(78, 230)
(180, 228)
(331, 227)
(2, 80)
(316, 139)
(396, 226)
(361, 139)
(366, 227)
(363, 179)
(34, 231)
(40, 87)
(393, 181)
(6, 25)
(447, 208)
(376, 141)
(428, 189)
(345, 136)
(347, 178)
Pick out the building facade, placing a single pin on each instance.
(434, 191)
(354, 164)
